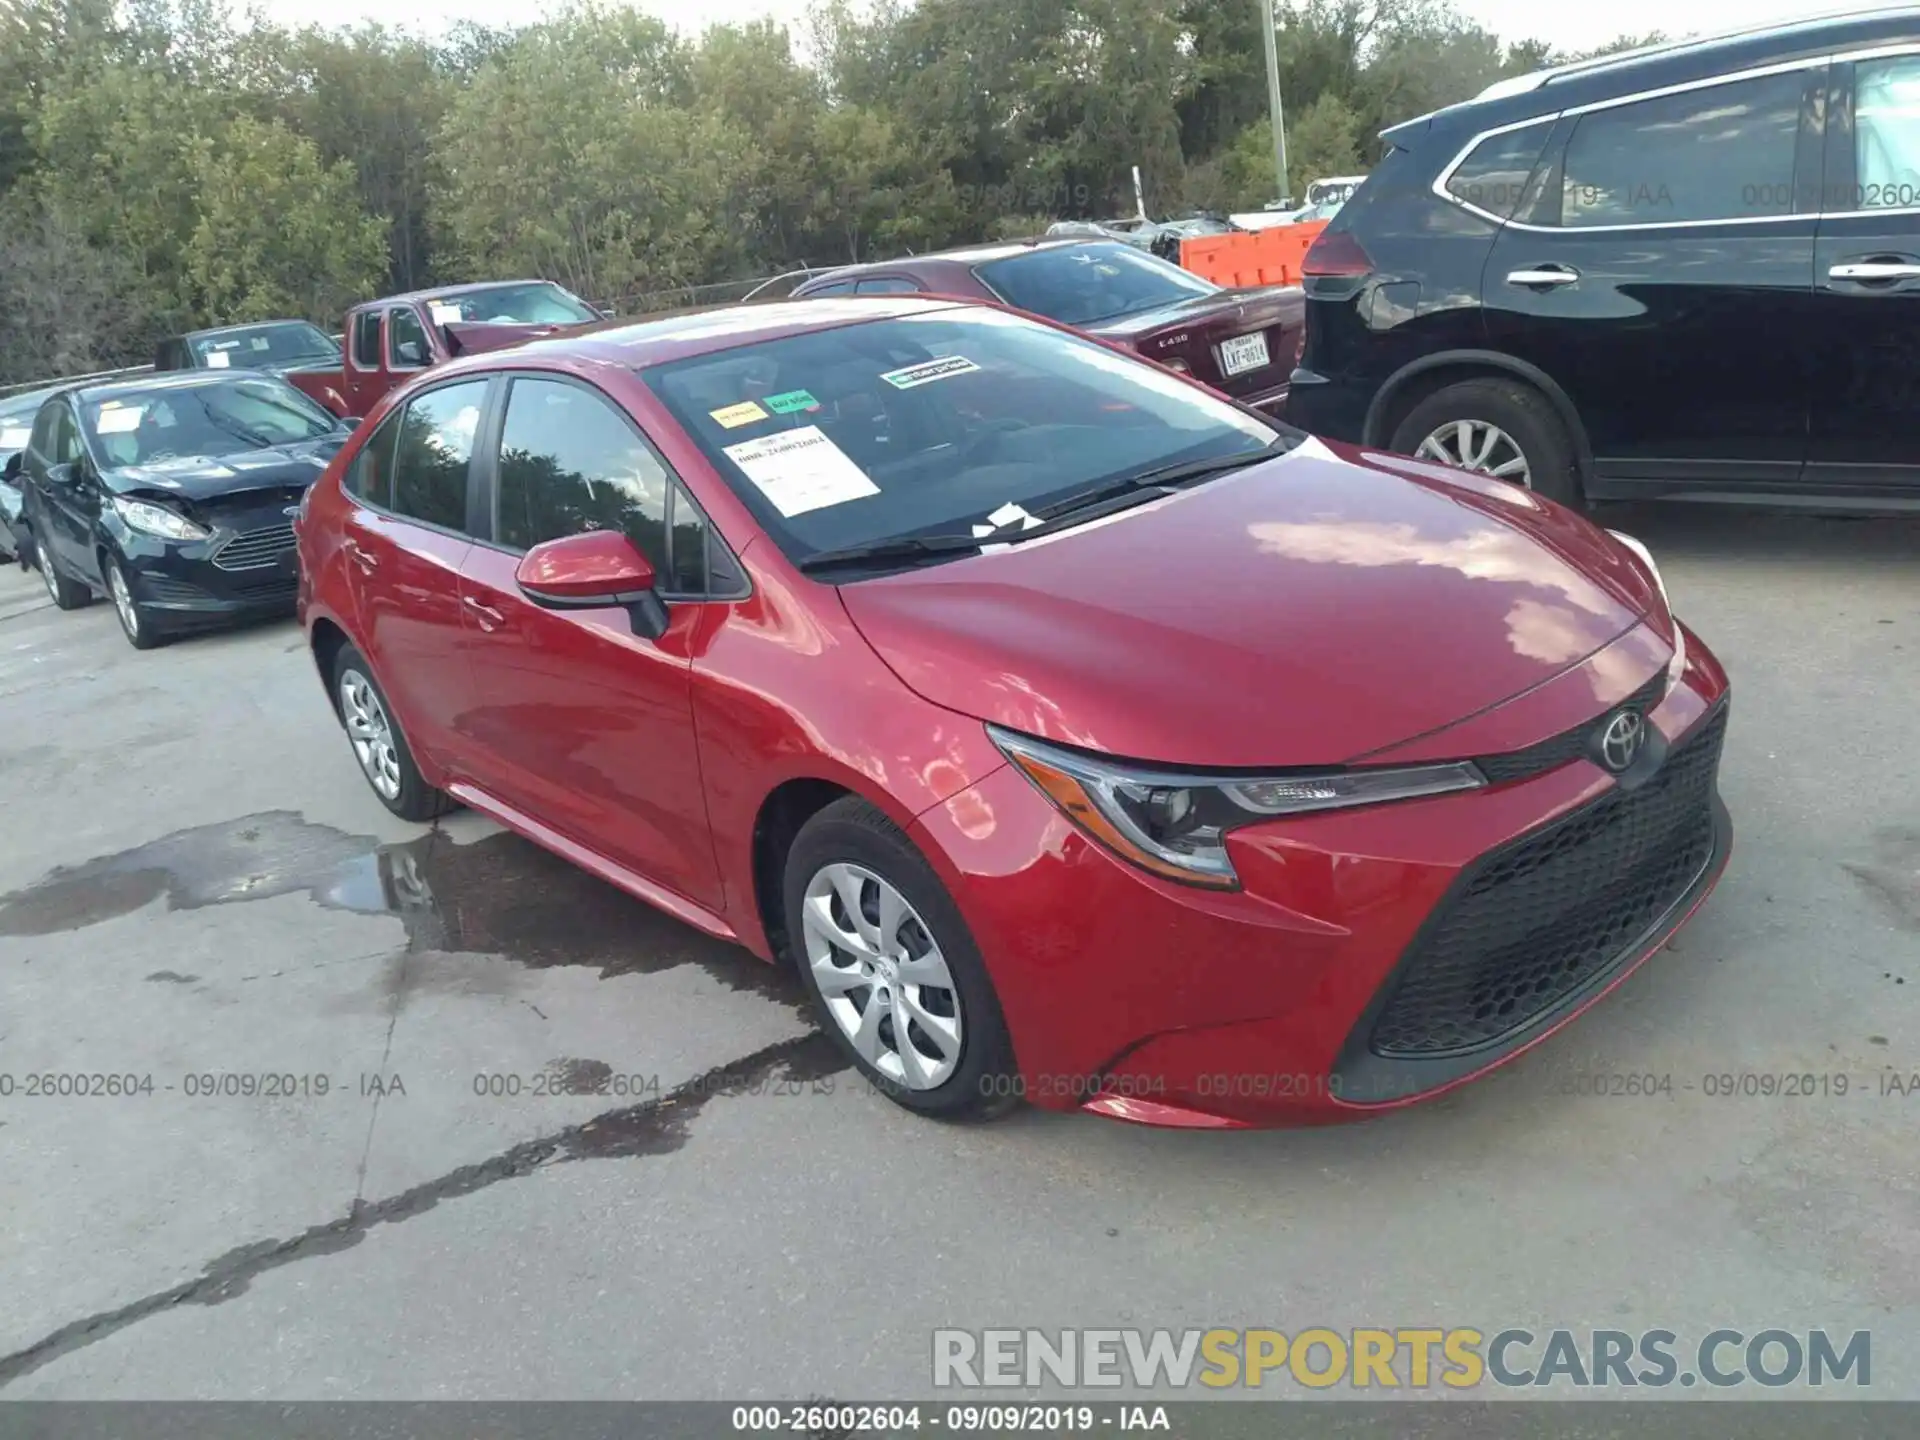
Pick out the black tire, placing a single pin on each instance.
(1515, 407)
(414, 799)
(984, 1083)
(67, 594)
(140, 630)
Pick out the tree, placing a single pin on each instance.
(280, 232)
(67, 307)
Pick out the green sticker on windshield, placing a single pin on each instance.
(790, 402)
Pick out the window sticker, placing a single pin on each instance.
(929, 371)
(734, 416)
(260, 342)
(218, 360)
(118, 419)
(443, 313)
(791, 402)
(801, 470)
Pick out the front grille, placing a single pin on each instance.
(165, 590)
(255, 549)
(1538, 920)
(1556, 751)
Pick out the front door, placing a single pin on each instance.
(1865, 435)
(68, 494)
(1660, 272)
(579, 722)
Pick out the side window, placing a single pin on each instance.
(371, 477)
(1494, 175)
(432, 452)
(569, 462)
(366, 339)
(1886, 133)
(42, 442)
(887, 285)
(406, 339)
(839, 287)
(1723, 152)
(63, 436)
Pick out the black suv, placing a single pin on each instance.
(1689, 272)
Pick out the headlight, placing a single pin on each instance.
(150, 519)
(1176, 825)
(1646, 558)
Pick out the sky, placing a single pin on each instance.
(1569, 27)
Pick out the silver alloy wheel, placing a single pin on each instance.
(882, 975)
(47, 576)
(1478, 445)
(123, 601)
(371, 733)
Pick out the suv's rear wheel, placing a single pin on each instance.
(1503, 428)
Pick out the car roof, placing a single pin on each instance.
(247, 325)
(680, 334)
(28, 399)
(1548, 90)
(164, 380)
(442, 292)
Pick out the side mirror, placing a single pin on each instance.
(410, 353)
(593, 571)
(61, 474)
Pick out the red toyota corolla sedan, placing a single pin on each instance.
(1076, 733)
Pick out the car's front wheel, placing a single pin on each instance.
(893, 969)
(67, 594)
(134, 622)
(1502, 428)
(378, 743)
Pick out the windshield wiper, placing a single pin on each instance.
(1163, 478)
(911, 547)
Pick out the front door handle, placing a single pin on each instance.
(367, 563)
(485, 616)
(1543, 275)
(1869, 271)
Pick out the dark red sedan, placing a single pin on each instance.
(1242, 342)
(1075, 733)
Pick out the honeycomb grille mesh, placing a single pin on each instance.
(1540, 919)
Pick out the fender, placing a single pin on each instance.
(1375, 422)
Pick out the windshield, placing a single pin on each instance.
(542, 303)
(203, 421)
(1086, 284)
(288, 343)
(936, 423)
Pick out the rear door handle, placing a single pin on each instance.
(1869, 271)
(1544, 275)
(485, 616)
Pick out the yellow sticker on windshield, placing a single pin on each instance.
(734, 416)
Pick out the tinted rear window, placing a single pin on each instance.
(1494, 176)
(1088, 284)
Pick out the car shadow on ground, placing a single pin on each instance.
(1730, 532)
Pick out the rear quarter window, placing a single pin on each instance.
(1497, 175)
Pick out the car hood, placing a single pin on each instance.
(1306, 611)
(198, 478)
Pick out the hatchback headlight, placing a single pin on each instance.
(151, 519)
(1176, 824)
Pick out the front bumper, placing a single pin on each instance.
(236, 574)
(1299, 998)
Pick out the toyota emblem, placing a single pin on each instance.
(1621, 741)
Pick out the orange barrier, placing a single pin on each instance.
(1260, 257)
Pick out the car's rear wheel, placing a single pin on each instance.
(892, 968)
(1502, 428)
(67, 594)
(134, 624)
(379, 744)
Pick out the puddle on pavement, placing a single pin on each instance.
(498, 896)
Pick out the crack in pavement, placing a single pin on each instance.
(653, 1127)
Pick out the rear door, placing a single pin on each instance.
(405, 540)
(1865, 335)
(363, 373)
(1661, 272)
(583, 724)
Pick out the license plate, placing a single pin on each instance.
(1243, 353)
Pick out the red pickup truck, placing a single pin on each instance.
(387, 340)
